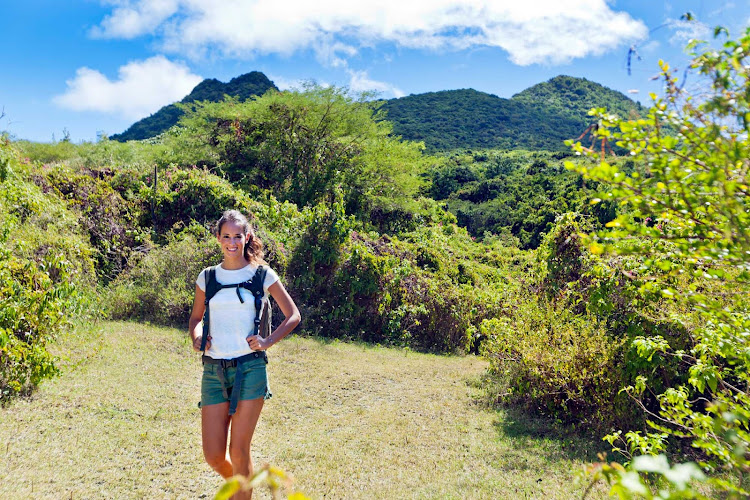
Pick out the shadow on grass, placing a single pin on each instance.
(530, 431)
(558, 441)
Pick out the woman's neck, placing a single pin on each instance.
(234, 264)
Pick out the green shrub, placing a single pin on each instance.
(559, 364)
(156, 289)
(110, 220)
(429, 291)
(572, 329)
(34, 310)
(46, 276)
(101, 154)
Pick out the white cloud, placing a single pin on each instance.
(142, 88)
(684, 31)
(129, 20)
(284, 83)
(361, 82)
(532, 31)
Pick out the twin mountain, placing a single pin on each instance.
(539, 118)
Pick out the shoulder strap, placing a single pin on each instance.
(256, 288)
(212, 286)
(264, 313)
(256, 284)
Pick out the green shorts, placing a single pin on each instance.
(254, 383)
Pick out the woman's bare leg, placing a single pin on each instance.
(243, 427)
(215, 427)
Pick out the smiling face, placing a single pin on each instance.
(232, 238)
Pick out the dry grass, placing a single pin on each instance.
(349, 421)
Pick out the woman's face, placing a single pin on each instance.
(232, 239)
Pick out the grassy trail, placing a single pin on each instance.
(349, 421)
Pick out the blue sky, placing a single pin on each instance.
(96, 66)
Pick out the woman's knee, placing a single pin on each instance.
(239, 455)
(215, 458)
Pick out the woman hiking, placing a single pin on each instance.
(234, 384)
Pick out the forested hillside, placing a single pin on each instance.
(574, 97)
(244, 86)
(539, 118)
(517, 195)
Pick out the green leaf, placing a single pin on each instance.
(681, 474)
(632, 482)
(647, 463)
(229, 488)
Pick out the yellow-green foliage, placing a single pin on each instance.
(560, 364)
(141, 155)
(691, 191)
(158, 290)
(106, 209)
(46, 273)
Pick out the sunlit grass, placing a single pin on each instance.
(347, 420)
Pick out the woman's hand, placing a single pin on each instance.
(197, 343)
(258, 343)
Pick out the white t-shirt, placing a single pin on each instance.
(231, 321)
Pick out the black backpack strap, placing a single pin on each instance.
(212, 286)
(255, 286)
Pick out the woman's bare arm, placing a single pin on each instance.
(196, 316)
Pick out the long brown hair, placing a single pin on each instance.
(253, 246)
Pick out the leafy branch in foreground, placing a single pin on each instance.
(632, 483)
(277, 480)
(691, 194)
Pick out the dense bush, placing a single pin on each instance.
(158, 290)
(429, 289)
(565, 348)
(300, 145)
(110, 220)
(558, 364)
(46, 275)
(185, 195)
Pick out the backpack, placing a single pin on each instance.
(262, 323)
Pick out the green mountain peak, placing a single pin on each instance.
(210, 89)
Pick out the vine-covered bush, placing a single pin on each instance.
(565, 347)
(46, 274)
(110, 219)
(184, 195)
(559, 364)
(156, 289)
